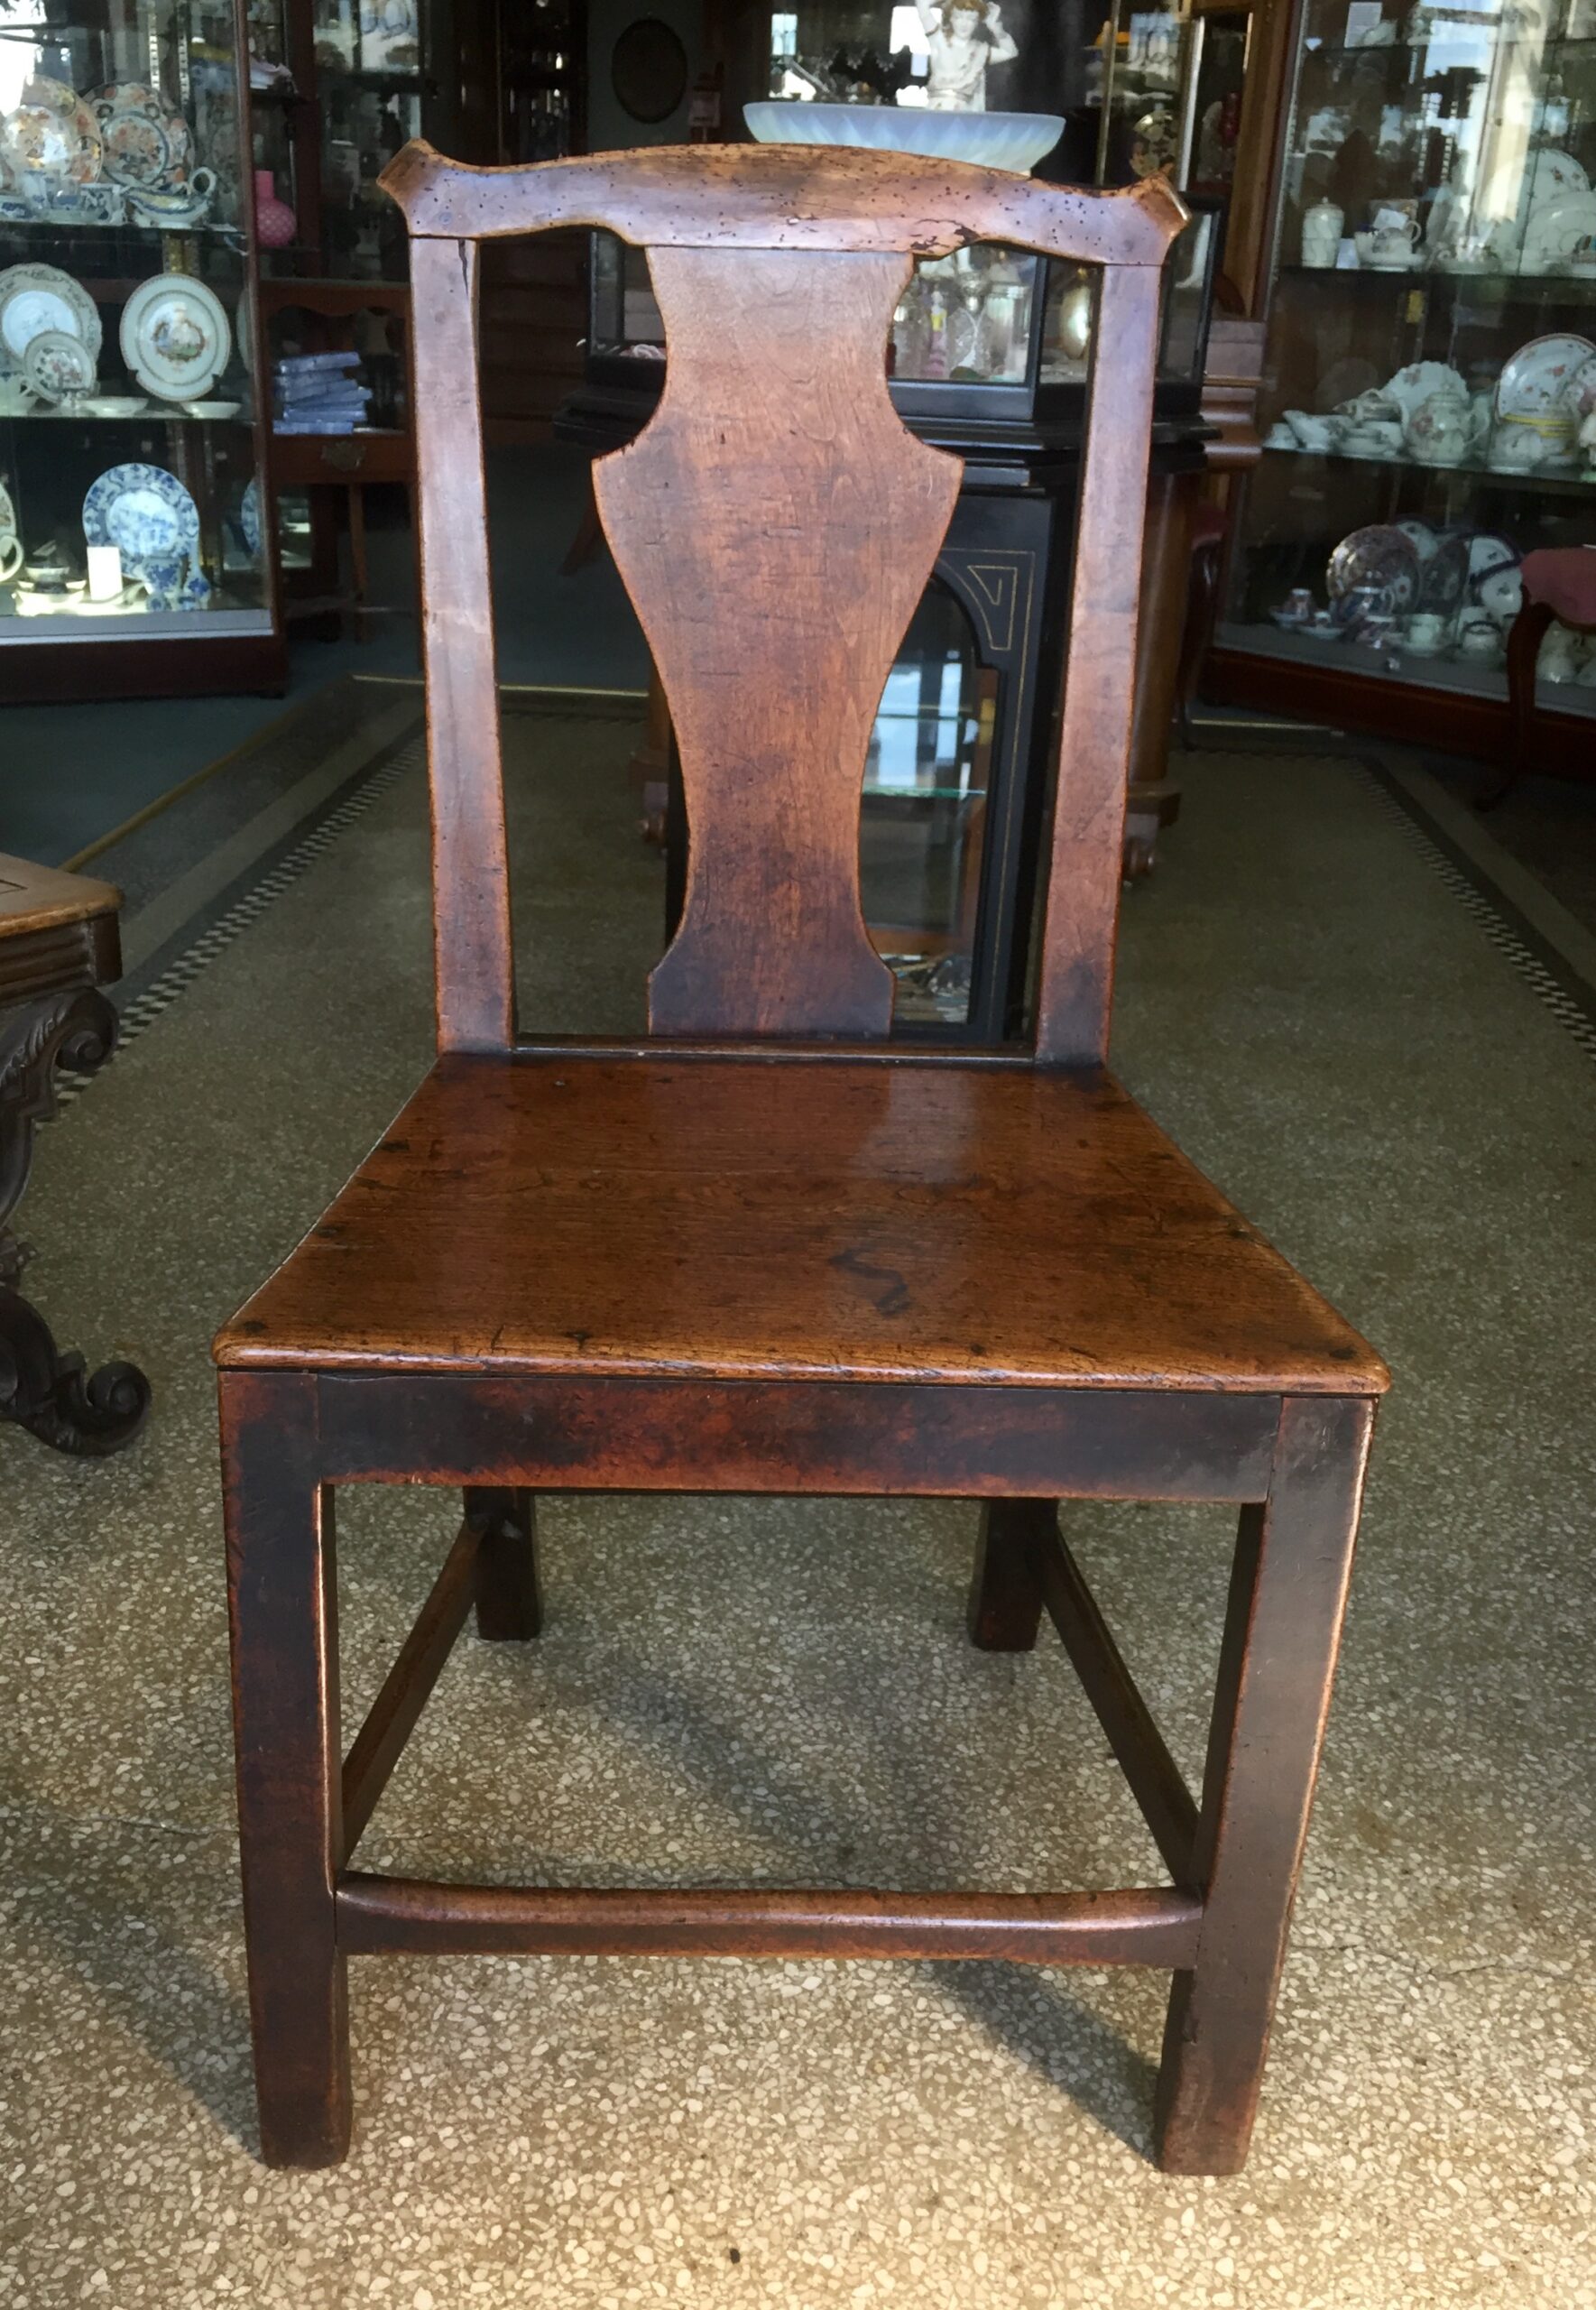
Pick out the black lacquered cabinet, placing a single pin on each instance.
(957, 790)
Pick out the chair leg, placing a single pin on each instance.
(1005, 1600)
(283, 1601)
(1525, 636)
(509, 1603)
(1277, 1661)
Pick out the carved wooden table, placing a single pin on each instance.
(58, 945)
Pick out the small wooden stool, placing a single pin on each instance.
(1559, 588)
(58, 944)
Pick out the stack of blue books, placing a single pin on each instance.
(318, 392)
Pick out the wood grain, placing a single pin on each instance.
(283, 1614)
(740, 1218)
(719, 1435)
(785, 197)
(473, 963)
(775, 526)
(1083, 875)
(1157, 1926)
(1288, 1593)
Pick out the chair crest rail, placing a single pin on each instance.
(784, 197)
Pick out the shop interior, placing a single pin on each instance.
(1357, 985)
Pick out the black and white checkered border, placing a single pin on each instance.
(1575, 1017)
(162, 993)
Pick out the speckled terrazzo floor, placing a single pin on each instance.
(782, 1689)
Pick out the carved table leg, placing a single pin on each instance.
(53, 1394)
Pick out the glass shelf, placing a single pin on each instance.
(174, 415)
(1560, 288)
(1581, 485)
(1444, 671)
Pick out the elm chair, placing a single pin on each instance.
(1559, 589)
(762, 1249)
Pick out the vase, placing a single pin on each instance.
(275, 222)
(1321, 233)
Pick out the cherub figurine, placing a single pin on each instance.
(962, 37)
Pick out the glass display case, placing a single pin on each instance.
(337, 92)
(1430, 385)
(130, 435)
(989, 334)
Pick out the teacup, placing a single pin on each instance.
(1519, 446)
(1392, 247)
(1299, 603)
(11, 556)
(1426, 630)
(1481, 641)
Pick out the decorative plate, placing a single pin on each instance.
(51, 133)
(1534, 380)
(1488, 551)
(1418, 381)
(146, 514)
(143, 141)
(57, 363)
(37, 297)
(1557, 227)
(1578, 396)
(1381, 556)
(1553, 175)
(1443, 578)
(176, 338)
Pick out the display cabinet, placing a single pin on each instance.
(1430, 385)
(133, 537)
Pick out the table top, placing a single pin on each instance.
(41, 897)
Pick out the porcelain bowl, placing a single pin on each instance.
(994, 140)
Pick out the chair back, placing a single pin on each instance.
(775, 525)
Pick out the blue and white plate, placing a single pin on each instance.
(249, 517)
(148, 516)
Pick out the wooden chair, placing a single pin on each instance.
(1559, 589)
(763, 1250)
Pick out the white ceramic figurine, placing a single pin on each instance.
(962, 37)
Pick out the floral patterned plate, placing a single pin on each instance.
(51, 133)
(1381, 558)
(56, 364)
(1533, 382)
(38, 297)
(144, 141)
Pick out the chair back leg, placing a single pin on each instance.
(1005, 1596)
(1294, 1557)
(509, 1600)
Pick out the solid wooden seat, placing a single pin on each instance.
(765, 1219)
(764, 1251)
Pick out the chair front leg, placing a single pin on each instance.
(1277, 1662)
(282, 1600)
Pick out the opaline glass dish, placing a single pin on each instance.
(995, 140)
